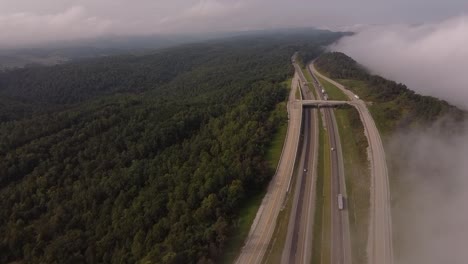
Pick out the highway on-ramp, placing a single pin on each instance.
(380, 247)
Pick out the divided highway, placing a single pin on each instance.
(298, 244)
(264, 224)
(380, 247)
(340, 234)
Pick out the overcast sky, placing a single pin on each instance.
(34, 21)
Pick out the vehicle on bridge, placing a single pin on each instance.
(340, 202)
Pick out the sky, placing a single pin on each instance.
(25, 22)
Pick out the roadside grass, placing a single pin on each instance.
(242, 227)
(334, 93)
(249, 210)
(274, 151)
(310, 80)
(278, 239)
(357, 174)
(386, 115)
(298, 94)
(357, 87)
(287, 83)
(321, 229)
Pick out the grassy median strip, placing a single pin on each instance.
(310, 80)
(298, 94)
(334, 93)
(357, 174)
(275, 249)
(321, 229)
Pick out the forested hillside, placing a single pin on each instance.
(395, 106)
(139, 158)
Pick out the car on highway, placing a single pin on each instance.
(332, 149)
(305, 170)
(357, 97)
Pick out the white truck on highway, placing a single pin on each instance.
(340, 202)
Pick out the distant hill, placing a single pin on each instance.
(64, 51)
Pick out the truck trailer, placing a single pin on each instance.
(340, 202)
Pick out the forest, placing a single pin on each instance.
(140, 159)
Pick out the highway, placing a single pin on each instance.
(380, 247)
(298, 244)
(340, 233)
(264, 224)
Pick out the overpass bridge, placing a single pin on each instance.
(325, 103)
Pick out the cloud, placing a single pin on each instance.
(205, 15)
(209, 8)
(430, 172)
(429, 211)
(431, 58)
(29, 28)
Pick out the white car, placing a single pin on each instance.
(305, 170)
(332, 149)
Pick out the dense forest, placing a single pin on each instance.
(139, 159)
(396, 105)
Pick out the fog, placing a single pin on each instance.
(430, 215)
(430, 190)
(431, 58)
(31, 29)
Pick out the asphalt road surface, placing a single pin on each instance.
(340, 234)
(298, 244)
(264, 224)
(380, 247)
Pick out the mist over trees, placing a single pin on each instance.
(395, 104)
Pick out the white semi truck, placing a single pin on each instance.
(340, 202)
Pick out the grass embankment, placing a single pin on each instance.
(298, 94)
(334, 93)
(321, 236)
(274, 151)
(310, 80)
(357, 175)
(249, 211)
(386, 114)
(275, 249)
